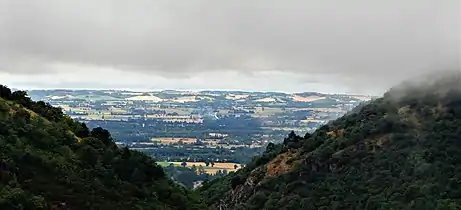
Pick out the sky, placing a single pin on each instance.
(333, 46)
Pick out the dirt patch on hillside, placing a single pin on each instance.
(336, 133)
(408, 115)
(280, 164)
(381, 140)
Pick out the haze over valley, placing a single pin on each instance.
(200, 127)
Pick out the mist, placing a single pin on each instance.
(436, 84)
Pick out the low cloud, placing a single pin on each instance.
(359, 44)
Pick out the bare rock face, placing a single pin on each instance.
(242, 192)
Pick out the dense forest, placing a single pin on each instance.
(49, 161)
(401, 151)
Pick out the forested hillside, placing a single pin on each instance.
(401, 151)
(49, 161)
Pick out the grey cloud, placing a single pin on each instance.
(358, 42)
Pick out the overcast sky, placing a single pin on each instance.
(357, 46)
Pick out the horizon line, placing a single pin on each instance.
(191, 90)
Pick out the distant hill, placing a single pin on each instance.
(173, 96)
(145, 97)
(400, 151)
(49, 161)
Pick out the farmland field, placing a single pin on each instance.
(180, 111)
(259, 112)
(169, 140)
(208, 169)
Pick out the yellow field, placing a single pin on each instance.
(169, 140)
(307, 99)
(212, 170)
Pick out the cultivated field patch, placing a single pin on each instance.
(229, 167)
(169, 140)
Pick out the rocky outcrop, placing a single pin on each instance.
(242, 192)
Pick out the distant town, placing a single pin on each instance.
(197, 128)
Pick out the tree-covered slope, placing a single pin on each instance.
(49, 161)
(401, 151)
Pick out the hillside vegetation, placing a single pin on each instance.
(401, 151)
(49, 161)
